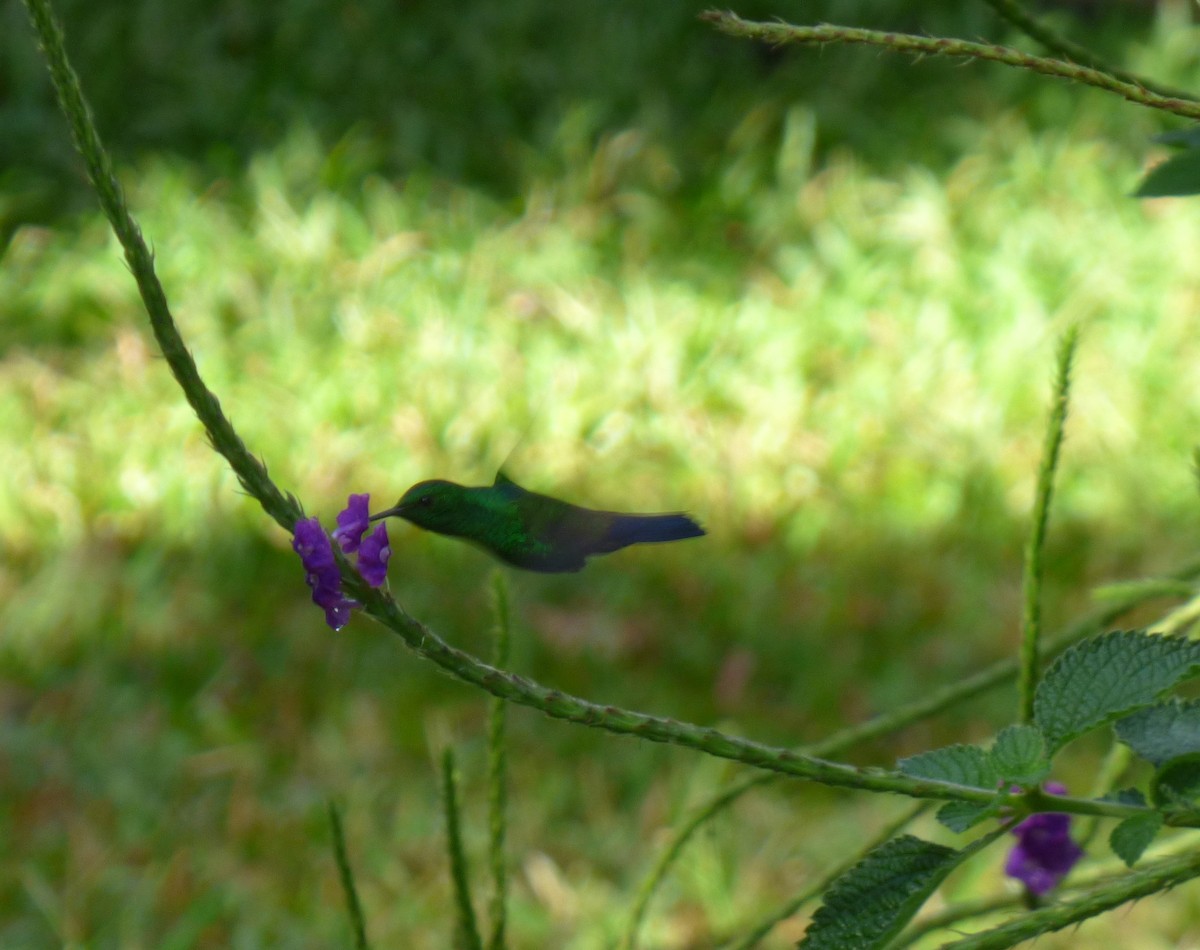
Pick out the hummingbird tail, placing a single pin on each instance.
(648, 529)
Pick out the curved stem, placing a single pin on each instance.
(559, 705)
(785, 33)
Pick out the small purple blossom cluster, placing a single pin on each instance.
(1045, 851)
(316, 553)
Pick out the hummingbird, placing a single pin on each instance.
(531, 531)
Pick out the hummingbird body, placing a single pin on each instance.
(528, 530)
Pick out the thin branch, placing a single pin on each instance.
(781, 34)
(1141, 883)
(1060, 45)
(559, 705)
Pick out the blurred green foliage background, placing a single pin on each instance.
(809, 296)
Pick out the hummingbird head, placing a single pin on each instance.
(433, 505)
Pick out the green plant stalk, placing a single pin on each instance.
(353, 906)
(1031, 622)
(252, 473)
(954, 915)
(559, 705)
(935, 702)
(496, 774)
(1150, 880)
(467, 926)
(772, 920)
(785, 33)
(1099, 878)
(1019, 17)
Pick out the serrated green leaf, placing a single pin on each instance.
(1177, 782)
(1019, 755)
(1107, 677)
(1177, 177)
(872, 902)
(1162, 731)
(1132, 836)
(960, 816)
(960, 764)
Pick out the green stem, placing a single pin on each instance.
(458, 858)
(1150, 880)
(955, 914)
(1019, 17)
(785, 33)
(559, 705)
(496, 775)
(1031, 623)
(353, 905)
(1099, 877)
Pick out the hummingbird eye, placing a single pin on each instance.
(426, 502)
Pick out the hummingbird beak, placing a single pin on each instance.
(388, 513)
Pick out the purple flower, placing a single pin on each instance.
(321, 572)
(352, 522)
(373, 556)
(1045, 852)
(336, 605)
(316, 553)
